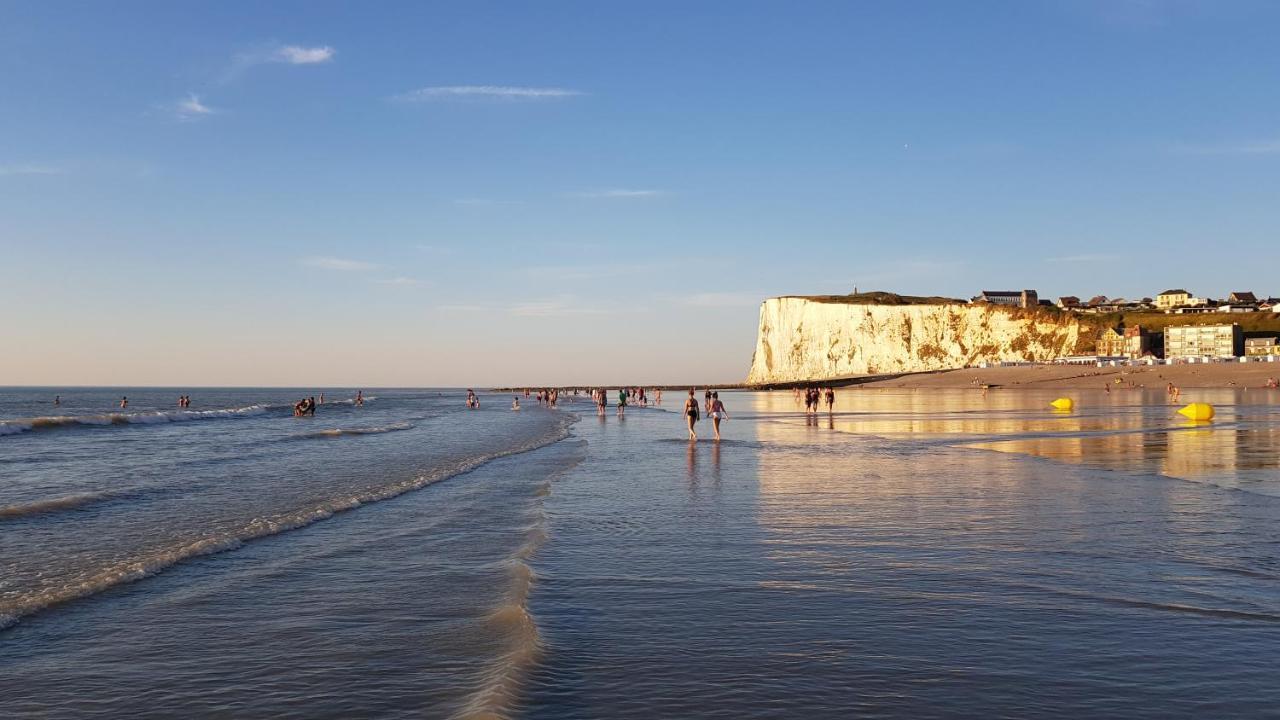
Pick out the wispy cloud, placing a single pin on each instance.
(402, 281)
(29, 169)
(298, 55)
(617, 193)
(276, 53)
(492, 92)
(553, 307)
(723, 299)
(485, 202)
(191, 108)
(1258, 147)
(342, 264)
(558, 306)
(1085, 258)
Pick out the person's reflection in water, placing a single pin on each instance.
(715, 464)
(831, 423)
(692, 456)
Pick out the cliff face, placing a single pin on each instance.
(804, 339)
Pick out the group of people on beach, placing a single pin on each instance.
(813, 397)
(693, 413)
(305, 407)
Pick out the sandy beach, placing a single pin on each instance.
(1216, 375)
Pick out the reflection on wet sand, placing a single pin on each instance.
(1129, 430)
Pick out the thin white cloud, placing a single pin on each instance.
(192, 108)
(298, 55)
(1085, 258)
(29, 169)
(485, 202)
(276, 53)
(495, 92)
(342, 264)
(617, 193)
(723, 299)
(402, 281)
(1259, 147)
(434, 249)
(558, 306)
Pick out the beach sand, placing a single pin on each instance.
(1214, 375)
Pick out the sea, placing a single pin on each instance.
(909, 554)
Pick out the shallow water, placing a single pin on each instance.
(913, 554)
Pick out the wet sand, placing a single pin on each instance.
(1215, 375)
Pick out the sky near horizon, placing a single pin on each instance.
(430, 194)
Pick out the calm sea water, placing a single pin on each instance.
(914, 554)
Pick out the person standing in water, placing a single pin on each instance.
(515, 402)
(717, 413)
(691, 413)
(57, 400)
(602, 401)
(359, 398)
(831, 400)
(622, 401)
(124, 403)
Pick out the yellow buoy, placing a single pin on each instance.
(1063, 404)
(1198, 411)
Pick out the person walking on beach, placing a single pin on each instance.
(657, 396)
(622, 402)
(691, 413)
(831, 400)
(602, 401)
(717, 413)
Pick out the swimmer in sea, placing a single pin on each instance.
(515, 402)
(359, 398)
(717, 413)
(124, 403)
(691, 413)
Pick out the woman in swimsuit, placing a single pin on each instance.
(717, 413)
(691, 413)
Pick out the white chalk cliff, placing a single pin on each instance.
(817, 339)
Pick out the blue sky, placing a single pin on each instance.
(474, 193)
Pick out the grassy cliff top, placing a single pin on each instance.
(878, 298)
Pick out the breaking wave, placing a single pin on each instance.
(340, 432)
(58, 504)
(151, 562)
(158, 417)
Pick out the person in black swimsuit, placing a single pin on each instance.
(691, 413)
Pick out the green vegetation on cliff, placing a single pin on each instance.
(878, 297)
